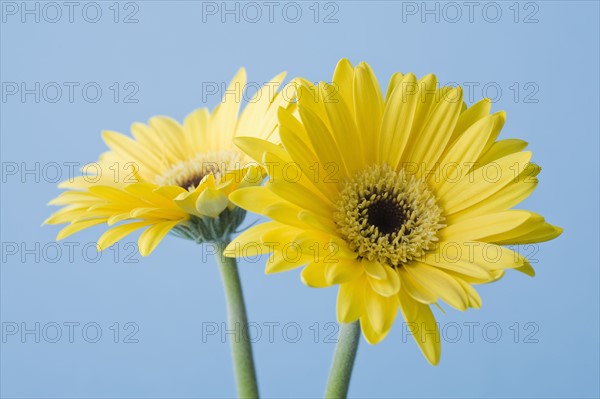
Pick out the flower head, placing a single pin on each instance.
(173, 177)
(404, 200)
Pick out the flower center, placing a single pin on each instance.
(387, 216)
(188, 174)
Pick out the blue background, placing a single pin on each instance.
(169, 53)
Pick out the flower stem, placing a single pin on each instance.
(343, 361)
(241, 349)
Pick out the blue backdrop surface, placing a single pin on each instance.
(77, 325)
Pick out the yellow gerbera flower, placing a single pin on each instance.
(172, 177)
(403, 201)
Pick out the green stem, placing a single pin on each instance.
(241, 348)
(343, 361)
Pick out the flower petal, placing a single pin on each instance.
(313, 275)
(153, 235)
(440, 283)
(381, 311)
(421, 321)
(342, 271)
(388, 286)
(374, 269)
(351, 301)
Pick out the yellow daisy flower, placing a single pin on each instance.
(402, 200)
(173, 177)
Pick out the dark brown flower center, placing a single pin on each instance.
(387, 215)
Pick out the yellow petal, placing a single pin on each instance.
(303, 197)
(151, 193)
(67, 214)
(501, 149)
(485, 255)
(381, 312)
(317, 222)
(484, 182)
(397, 120)
(148, 137)
(253, 147)
(512, 194)
(342, 271)
(343, 79)
(319, 173)
(153, 235)
(374, 269)
(414, 289)
(115, 195)
(196, 129)
(189, 201)
(371, 336)
(394, 80)
(211, 202)
(440, 283)
(119, 217)
(345, 132)
(430, 95)
(169, 191)
(437, 131)
(225, 115)
(74, 197)
(368, 106)
(132, 151)
(171, 135)
(322, 141)
(388, 286)
(421, 321)
(529, 233)
(254, 199)
(472, 295)
(78, 226)
(466, 149)
(313, 275)
(470, 116)
(251, 119)
(457, 258)
(249, 243)
(351, 301)
(475, 229)
(290, 258)
(112, 235)
(526, 269)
